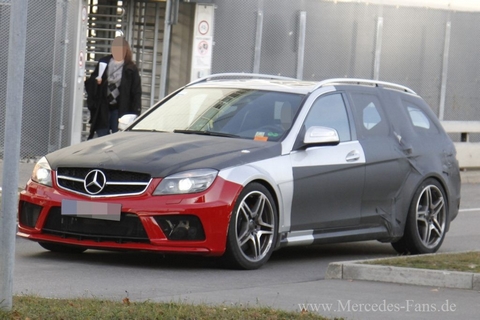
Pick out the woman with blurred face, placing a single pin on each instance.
(113, 89)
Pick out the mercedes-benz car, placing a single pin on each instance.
(236, 166)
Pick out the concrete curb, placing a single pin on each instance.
(359, 270)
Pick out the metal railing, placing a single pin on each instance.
(363, 82)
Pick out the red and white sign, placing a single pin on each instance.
(80, 59)
(84, 13)
(203, 27)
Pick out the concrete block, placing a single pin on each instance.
(476, 281)
(468, 154)
(334, 271)
(413, 276)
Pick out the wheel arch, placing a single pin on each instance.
(443, 183)
(238, 255)
(273, 176)
(410, 188)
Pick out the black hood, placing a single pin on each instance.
(161, 154)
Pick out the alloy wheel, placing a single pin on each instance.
(255, 226)
(431, 216)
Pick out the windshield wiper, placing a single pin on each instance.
(207, 133)
(146, 130)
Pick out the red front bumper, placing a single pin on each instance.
(212, 207)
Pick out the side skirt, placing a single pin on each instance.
(307, 237)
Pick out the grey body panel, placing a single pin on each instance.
(386, 168)
(429, 153)
(395, 165)
(327, 188)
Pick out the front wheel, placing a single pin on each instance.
(252, 232)
(426, 221)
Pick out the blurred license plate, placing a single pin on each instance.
(92, 210)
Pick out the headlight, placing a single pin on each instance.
(187, 182)
(42, 173)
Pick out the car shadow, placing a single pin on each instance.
(336, 252)
(322, 254)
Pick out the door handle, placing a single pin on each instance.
(408, 150)
(353, 155)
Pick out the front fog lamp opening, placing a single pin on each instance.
(181, 227)
(29, 213)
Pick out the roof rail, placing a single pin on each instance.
(363, 81)
(240, 75)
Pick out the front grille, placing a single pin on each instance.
(117, 183)
(128, 229)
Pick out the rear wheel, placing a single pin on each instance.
(54, 247)
(252, 232)
(426, 221)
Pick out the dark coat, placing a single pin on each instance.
(129, 101)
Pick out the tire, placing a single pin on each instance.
(61, 248)
(252, 232)
(427, 220)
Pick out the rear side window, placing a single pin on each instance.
(419, 119)
(371, 121)
(371, 117)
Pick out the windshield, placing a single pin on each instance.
(244, 113)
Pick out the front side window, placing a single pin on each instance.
(330, 111)
(245, 113)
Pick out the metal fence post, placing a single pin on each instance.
(301, 44)
(13, 124)
(155, 53)
(166, 50)
(378, 49)
(258, 43)
(443, 88)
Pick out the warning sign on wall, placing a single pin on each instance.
(202, 42)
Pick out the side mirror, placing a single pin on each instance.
(321, 136)
(125, 121)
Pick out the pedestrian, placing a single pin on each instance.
(113, 89)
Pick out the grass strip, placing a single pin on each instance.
(462, 261)
(37, 308)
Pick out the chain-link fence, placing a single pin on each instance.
(433, 51)
(48, 79)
